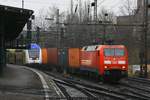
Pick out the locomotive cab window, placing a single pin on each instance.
(109, 52)
(114, 52)
(119, 52)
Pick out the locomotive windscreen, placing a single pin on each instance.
(114, 52)
(119, 52)
(109, 52)
(34, 53)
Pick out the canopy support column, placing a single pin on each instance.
(2, 45)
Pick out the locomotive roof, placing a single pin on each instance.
(98, 47)
(34, 46)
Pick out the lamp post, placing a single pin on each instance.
(22, 3)
(104, 26)
(2, 46)
(144, 51)
(145, 36)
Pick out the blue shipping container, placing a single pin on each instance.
(63, 57)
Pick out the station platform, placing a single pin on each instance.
(20, 83)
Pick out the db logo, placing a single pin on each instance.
(114, 62)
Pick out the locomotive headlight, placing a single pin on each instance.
(123, 67)
(105, 67)
(107, 62)
(121, 62)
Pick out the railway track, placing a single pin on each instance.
(101, 91)
(132, 90)
(129, 89)
(62, 85)
(90, 93)
(137, 86)
(139, 80)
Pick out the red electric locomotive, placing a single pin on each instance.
(108, 61)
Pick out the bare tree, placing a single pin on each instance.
(129, 7)
(47, 18)
(106, 15)
(40, 20)
(81, 13)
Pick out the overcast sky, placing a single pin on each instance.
(63, 5)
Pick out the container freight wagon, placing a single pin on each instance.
(45, 60)
(107, 61)
(62, 59)
(52, 55)
(20, 57)
(11, 57)
(74, 60)
(44, 56)
(49, 58)
(16, 56)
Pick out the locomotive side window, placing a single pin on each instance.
(119, 52)
(85, 48)
(109, 52)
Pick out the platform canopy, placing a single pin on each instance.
(12, 21)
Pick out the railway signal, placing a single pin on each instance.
(29, 29)
(38, 35)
